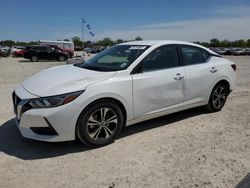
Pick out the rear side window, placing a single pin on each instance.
(161, 58)
(193, 55)
(40, 48)
(205, 55)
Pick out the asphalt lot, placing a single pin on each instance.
(186, 149)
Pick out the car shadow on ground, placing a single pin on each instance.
(13, 144)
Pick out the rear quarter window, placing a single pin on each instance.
(192, 55)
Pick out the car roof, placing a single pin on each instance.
(165, 42)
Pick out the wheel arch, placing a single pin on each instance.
(226, 82)
(112, 99)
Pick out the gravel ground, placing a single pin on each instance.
(185, 149)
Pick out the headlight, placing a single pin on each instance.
(54, 101)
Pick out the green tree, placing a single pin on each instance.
(88, 44)
(8, 43)
(77, 41)
(225, 43)
(138, 38)
(105, 42)
(119, 41)
(214, 42)
(248, 43)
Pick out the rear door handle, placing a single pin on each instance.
(213, 70)
(178, 76)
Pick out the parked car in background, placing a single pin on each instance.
(237, 51)
(66, 46)
(18, 53)
(5, 51)
(78, 48)
(246, 52)
(219, 51)
(35, 53)
(16, 48)
(125, 84)
(229, 51)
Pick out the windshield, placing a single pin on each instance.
(115, 58)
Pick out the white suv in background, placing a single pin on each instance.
(123, 85)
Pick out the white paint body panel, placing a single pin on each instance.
(144, 96)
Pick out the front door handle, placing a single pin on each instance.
(178, 76)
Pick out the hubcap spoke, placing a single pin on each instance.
(219, 103)
(107, 133)
(106, 127)
(92, 122)
(103, 113)
(95, 133)
(112, 119)
(215, 100)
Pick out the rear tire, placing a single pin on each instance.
(61, 58)
(99, 124)
(218, 97)
(34, 58)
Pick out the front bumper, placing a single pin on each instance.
(47, 124)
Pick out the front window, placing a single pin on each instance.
(161, 58)
(115, 58)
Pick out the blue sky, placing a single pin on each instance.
(189, 20)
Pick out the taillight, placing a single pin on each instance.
(234, 67)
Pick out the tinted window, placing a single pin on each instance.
(192, 55)
(50, 49)
(161, 58)
(205, 55)
(40, 48)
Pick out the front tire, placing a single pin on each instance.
(99, 124)
(218, 97)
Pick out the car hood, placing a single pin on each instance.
(63, 79)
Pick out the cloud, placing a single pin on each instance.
(194, 30)
(224, 22)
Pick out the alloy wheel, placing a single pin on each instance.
(34, 58)
(61, 58)
(219, 97)
(101, 124)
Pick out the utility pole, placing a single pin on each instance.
(83, 23)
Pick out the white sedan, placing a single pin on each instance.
(123, 85)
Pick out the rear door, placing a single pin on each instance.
(200, 72)
(42, 52)
(158, 82)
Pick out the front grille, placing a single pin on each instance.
(20, 106)
(16, 101)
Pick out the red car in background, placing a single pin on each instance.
(18, 53)
(65, 46)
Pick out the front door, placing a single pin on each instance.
(159, 84)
